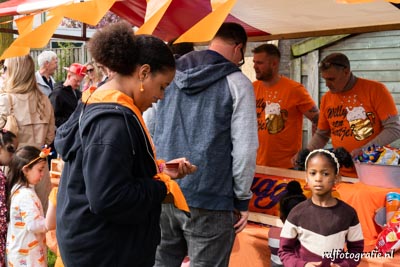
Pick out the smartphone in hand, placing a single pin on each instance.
(174, 165)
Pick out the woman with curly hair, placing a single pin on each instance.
(32, 109)
(112, 186)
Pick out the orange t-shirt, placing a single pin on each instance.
(280, 111)
(355, 117)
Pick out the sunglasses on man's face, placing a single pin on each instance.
(327, 65)
(241, 62)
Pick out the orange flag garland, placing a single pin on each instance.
(40, 36)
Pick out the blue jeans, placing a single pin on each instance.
(207, 237)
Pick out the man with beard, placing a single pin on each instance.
(281, 104)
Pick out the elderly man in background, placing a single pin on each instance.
(48, 63)
(355, 113)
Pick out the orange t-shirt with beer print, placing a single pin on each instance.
(355, 117)
(26, 245)
(280, 111)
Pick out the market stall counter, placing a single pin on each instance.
(366, 199)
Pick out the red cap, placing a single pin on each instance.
(77, 69)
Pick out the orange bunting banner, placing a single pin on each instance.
(154, 13)
(205, 29)
(40, 36)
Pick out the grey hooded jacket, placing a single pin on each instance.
(208, 115)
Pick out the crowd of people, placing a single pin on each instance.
(160, 144)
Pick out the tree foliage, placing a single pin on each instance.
(5, 38)
(65, 59)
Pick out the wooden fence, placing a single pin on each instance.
(66, 56)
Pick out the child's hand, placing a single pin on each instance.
(313, 264)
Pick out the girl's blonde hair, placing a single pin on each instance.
(21, 79)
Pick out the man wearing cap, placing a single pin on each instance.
(48, 63)
(65, 96)
(355, 113)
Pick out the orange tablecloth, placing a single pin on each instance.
(251, 247)
(365, 200)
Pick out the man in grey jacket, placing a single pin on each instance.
(208, 115)
(48, 63)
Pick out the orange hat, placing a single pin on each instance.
(77, 69)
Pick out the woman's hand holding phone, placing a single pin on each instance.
(179, 168)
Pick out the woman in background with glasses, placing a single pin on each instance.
(110, 194)
(31, 108)
(93, 76)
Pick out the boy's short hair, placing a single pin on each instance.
(233, 32)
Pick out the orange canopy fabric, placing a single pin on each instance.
(258, 17)
(38, 37)
(198, 20)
